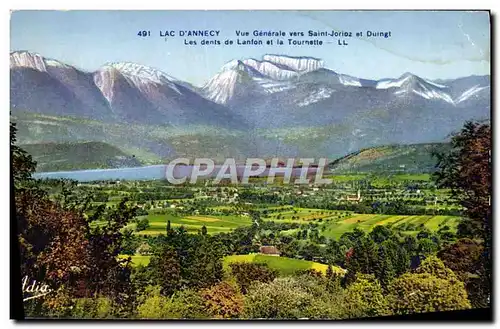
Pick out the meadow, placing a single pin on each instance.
(284, 265)
(137, 260)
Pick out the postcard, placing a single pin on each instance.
(276, 165)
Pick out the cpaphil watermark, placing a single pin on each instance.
(33, 289)
(180, 171)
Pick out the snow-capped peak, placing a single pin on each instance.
(271, 70)
(141, 72)
(394, 83)
(223, 86)
(406, 79)
(140, 75)
(409, 83)
(299, 64)
(248, 74)
(470, 92)
(275, 67)
(33, 60)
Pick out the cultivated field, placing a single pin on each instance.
(193, 224)
(367, 222)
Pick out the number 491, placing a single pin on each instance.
(144, 33)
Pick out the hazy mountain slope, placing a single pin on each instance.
(413, 158)
(82, 155)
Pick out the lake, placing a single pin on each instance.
(144, 173)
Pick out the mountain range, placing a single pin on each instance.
(276, 105)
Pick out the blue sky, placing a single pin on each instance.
(434, 45)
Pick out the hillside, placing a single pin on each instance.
(81, 155)
(413, 158)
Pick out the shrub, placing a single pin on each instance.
(92, 308)
(309, 272)
(187, 304)
(142, 224)
(463, 257)
(432, 288)
(289, 298)
(436, 267)
(424, 292)
(281, 299)
(222, 301)
(246, 273)
(364, 298)
(153, 305)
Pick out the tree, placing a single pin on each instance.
(310, 250)
(198, 258)
(169, 228)
(309, 272)
(402, 259)
(204, 230)
(436, 267)
(223, 301)
(60, 246)
(188, 304)
(380, 233)
(349, 239)
(246, 273)
(384, 269)
(426, 246)
(364, 297)
(52, 241)
(142, 224)
(333, 280)
(411, 245)
(203, 266)
(299, 235)
(289, 298)
(464, 259)
(467, 171)
(93, 308)
(153, 305)
(109, 275)
(329, 271)
(335, 252)
(363, 258)
(185, 304)
(22, 163)
(432, 288)
(168, 270)
(424, 292)
(130, 242)
(144, 249)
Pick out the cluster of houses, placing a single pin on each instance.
(355, 198)
(227, 194)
